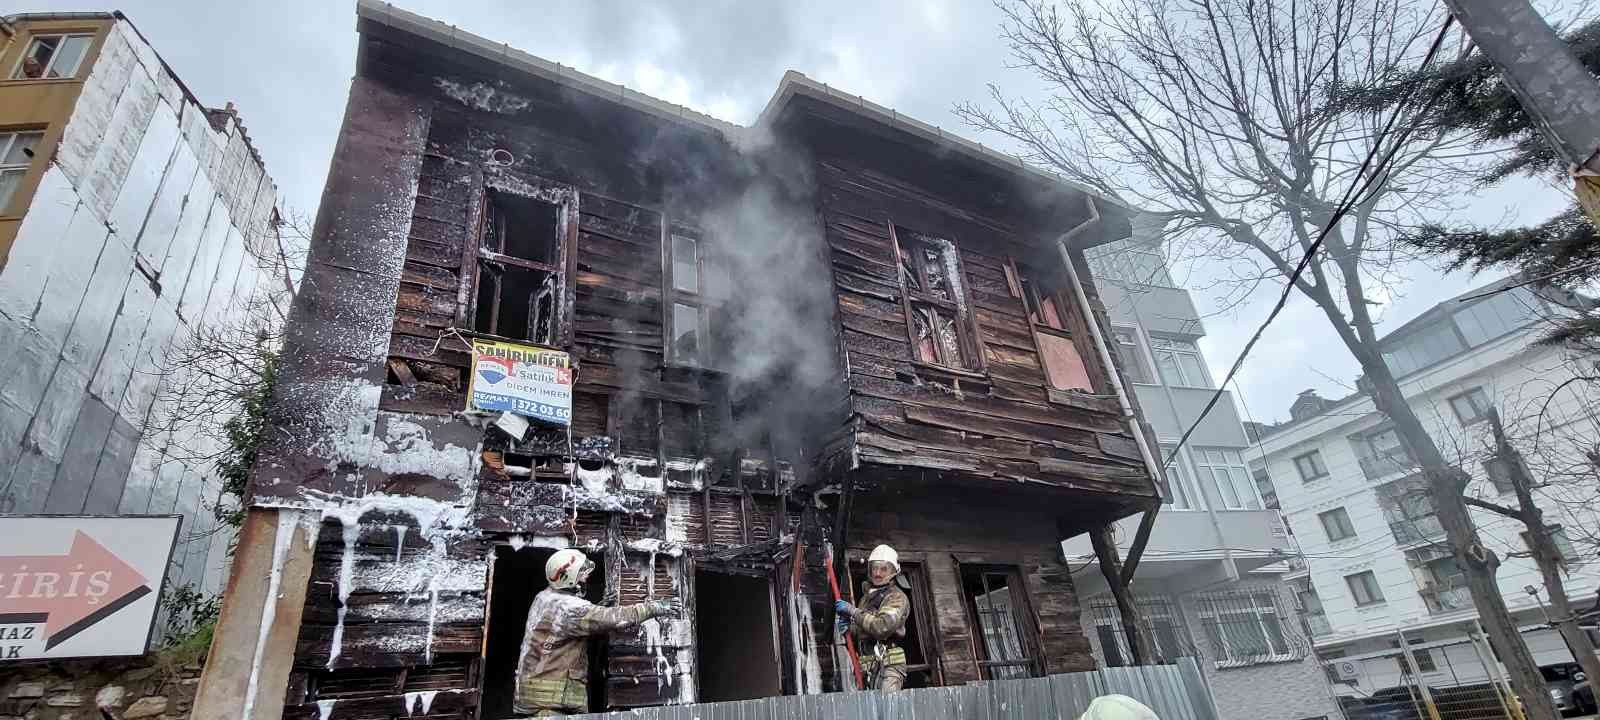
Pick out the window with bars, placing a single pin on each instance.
(940, 327)
(1163, 623)
(521, 256)
(688, 311)
(16, 154)
(997, 606)
(1227, 472)
(1246, 628)
(52, 56)
(1047, 305)
(1179, 363)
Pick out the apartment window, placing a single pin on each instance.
(52, 56)
(1269, 494)
(1179, 363)
(1470, 406)
(997, 605)
(1364, 588)
(521, 255)
(1244, 628)
(1227, 472)
(934, 300)
(16, 154)
(1133, 365)
(1164, 625)
(1497, 315)
(1336, 523)
(1183, 497)
(1310, 466)
(688, 318)
(1047, 314)
(1424, 661)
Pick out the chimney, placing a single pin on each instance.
(1308, 404)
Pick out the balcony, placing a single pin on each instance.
(1317, 625)
(1441, 601)
(1417, 530)
(1387, 463)
(1185, 543)
(1171, 410)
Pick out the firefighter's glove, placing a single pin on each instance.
(672, 607)
(844, 608)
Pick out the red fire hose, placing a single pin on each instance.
(850, 642)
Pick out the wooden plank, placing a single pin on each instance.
(961, 420)
(369, 607)
(381, 645)
(454, 703)
(926, 396)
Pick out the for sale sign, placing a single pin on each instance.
(523, 380)
(76, 586)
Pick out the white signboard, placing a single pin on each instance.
(524, 380)
(79, 586)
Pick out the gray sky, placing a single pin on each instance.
(287, 65)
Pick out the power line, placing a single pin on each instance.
(1345, 204)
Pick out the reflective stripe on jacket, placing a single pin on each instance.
(553, 670)
(881, 619)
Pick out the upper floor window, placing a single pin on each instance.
(1497, 315)
(1425, 347)
(1364, 588)
(521, 256)
(1179, 362)
(1228, 473)
(688, 313)
(1470, 406)
(16, 154)
(1182, 492)
(1310, 466)
(1047, 308)
(52, 56)
(941, 329)
(1336, 523)
(1134, 367)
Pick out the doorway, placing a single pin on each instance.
(737, 639)
(517, 577)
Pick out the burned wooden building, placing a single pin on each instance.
(835, 328)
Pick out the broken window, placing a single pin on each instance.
(520, 257)
(1042, 294)
(997, 606)
(52, 56)
(941, 329)
(16, 154)
(688, 318)
(736, 619)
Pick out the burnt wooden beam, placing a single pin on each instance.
(1105, 549)
(1141, 538)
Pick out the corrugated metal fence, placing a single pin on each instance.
(1175, 692)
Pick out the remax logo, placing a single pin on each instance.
(493, 370)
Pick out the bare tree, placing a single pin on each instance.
(1215, 115)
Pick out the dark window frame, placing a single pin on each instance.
(969, 344)
(698, 299)
(1480, 413)
(1313, 458)
(1024, 282)
(1022, 620)
(475, 257)
(1374, 591)
(92, 35)
(1341, 518)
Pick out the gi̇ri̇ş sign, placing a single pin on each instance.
(73, 586)
(521, 379)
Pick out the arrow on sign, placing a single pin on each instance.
(68, 593)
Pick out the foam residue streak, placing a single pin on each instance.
(288, 522)
(325, 708)
(803, 640)
(420, 697)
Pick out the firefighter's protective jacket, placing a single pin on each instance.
(553, 670)
(881, 620)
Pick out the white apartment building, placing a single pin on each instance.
(1374, 562)
(1209, 583)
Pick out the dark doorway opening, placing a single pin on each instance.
(913, 581)
(519, 576)
(737, 644)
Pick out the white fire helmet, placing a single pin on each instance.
(884, 553)
(1117, 707)
(567, 569)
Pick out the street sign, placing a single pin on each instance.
(78, 586)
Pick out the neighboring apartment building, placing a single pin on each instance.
(1210, 582)
(130, 217)
(806, 334)
(1374, 559)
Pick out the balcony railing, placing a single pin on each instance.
(1318, 625)
(1446, 600)
(1387, 463)
(1415, 530)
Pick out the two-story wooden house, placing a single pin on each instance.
(835, 328)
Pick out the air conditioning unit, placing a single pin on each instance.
(1346, 670)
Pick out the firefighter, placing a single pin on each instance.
(552, 672)
(879, 623)
(1117, 707)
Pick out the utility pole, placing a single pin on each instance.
(1552, 86)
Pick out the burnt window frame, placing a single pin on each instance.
(565, 198)
(1022, 281)
(969, 341)
(1022, 620)
(672, 296)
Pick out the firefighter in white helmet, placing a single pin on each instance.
(553, 669)
(1117, 707)
(879, 623)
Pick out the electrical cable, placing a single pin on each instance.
(1346, 203)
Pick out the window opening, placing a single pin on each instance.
(52, 56)
(994, 595)
(1047, 305)
(688, 309)
(1227, 471)
(735, 645)
(1310, 466)
(517, 577)
(519, 270)
(1364, 588)
(920, 670)
(16, 154)
(1183, 497)
(1245, 627)
(1336, 523)
(930, 274)
(1470, 406)
(1179, 363)
(1133, 366)
(1166, 628)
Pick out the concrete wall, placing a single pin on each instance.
(145, 227)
